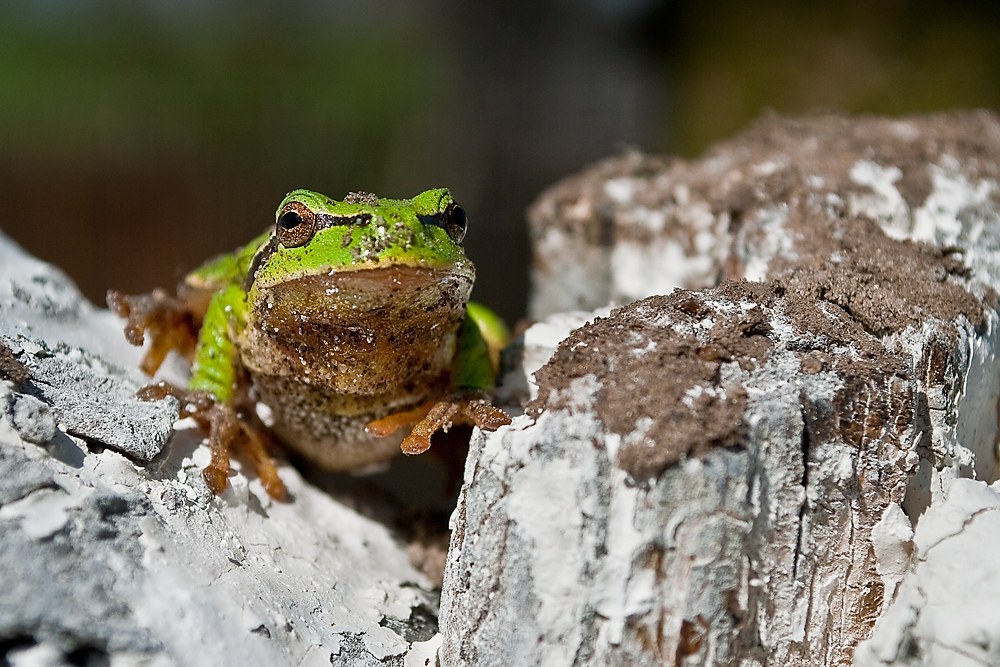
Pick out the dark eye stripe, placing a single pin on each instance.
(453, 220)
(259, 258)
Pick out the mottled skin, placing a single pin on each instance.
(350, 320)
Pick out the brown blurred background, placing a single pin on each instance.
(139, 137)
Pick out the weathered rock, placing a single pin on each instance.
(79, 362)
(730, 476)
(33, 419)
(107, 559)
(635, 226)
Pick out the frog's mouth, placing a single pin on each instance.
(357, 331)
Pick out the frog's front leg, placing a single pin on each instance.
(227, 430)
(230, 419)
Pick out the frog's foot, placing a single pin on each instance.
(435, 416)
(195, 403)
(169, 321)
(254, 445)
(226, 431)
(223, 432)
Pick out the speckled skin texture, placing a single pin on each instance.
(329, 354)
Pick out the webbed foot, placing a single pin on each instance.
(439, 415)
(169, 320)
(226, 430)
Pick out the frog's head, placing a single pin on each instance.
(315, 235)
(339, 277)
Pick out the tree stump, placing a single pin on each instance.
(731, 474)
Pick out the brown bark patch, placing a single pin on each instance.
(657, 363)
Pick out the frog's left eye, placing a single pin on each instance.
(452, 220)
(295, 225)
(456, 222)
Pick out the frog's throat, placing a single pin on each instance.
(371, 332)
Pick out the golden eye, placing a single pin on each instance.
(295, 225)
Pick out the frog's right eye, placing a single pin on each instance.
(295, 225)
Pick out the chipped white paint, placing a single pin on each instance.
(615, 581)
(621, 190)
(770, 240)
(423, 654)
(767, 168)
(575, 276)
(980, 400)
(651, 219)
(884, 204)
(551, 521)
(892, 540)
(659, 267)
(904, 130)
(938, 219)
(382, 643)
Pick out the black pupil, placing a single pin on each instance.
(289, 220)
(457, 217)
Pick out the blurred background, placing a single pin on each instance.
(140, 137)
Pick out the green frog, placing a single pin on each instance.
(350, 320)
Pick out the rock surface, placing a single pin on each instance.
(78, 362)
(733, 476)
(114, 552)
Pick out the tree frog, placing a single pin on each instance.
(349, 319)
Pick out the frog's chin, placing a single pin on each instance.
(366, 331)
(343, 294)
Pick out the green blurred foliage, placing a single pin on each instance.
(121, 80)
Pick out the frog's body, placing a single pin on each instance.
(348, 312)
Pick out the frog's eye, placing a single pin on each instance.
(452, 220)
(295, 225)
(455, 222)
